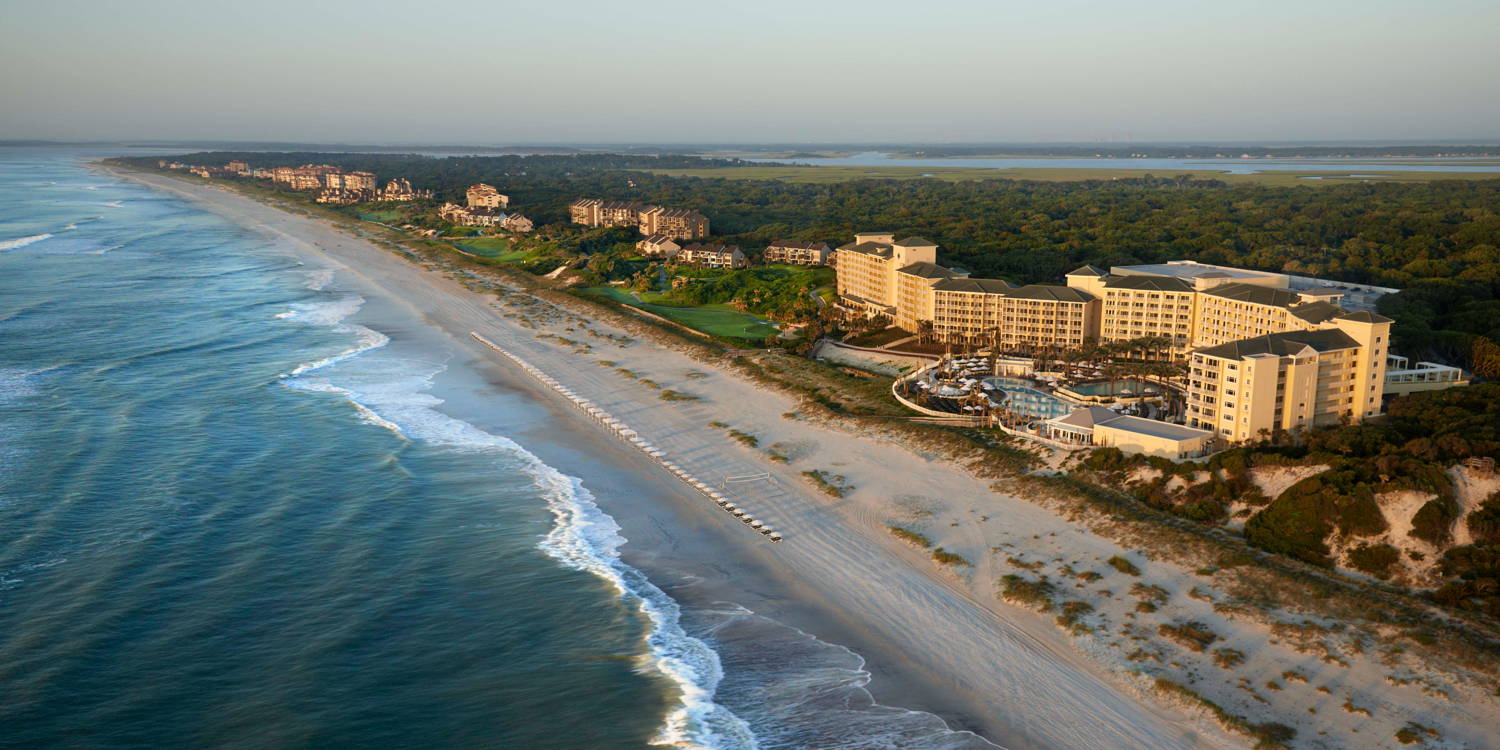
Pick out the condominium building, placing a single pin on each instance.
(658, 246)
(467, 216)
(1248, 389)
(516, 223)
(485, 196)
(799, 253)
(675, 223)
(401, 190)
(712, 256)
(239, 167)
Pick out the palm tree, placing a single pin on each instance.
(1113, 372)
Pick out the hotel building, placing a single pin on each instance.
(1292, 380)
(484, 196)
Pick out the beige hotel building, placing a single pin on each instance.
(1306, 360)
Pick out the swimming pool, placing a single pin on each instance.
(1101, 388)
(1027, 400)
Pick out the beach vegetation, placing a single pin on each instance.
(1034, 594)
(1228, 658)
(1123, 565)
(944, 557)
(832, 485)
(627, 374)
(1194, 636)
(652, 384)
(671, 395)
(1375, 560)
(908, 536)
(606, 363)
(718, 425)
(745, 438)
(1268, 735)
(1072, 613)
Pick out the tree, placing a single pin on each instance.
(1484, 357)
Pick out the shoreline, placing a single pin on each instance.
(838, 588)
(933, 639)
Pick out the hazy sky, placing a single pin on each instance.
(777, 70)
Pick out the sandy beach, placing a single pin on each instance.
(934, 639)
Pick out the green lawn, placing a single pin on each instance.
(497, 248)
(715, 322)
(381, 216)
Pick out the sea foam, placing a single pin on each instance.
(391, 392)
(22, 241)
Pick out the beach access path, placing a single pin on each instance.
(935, 640)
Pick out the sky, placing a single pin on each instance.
(785, 71)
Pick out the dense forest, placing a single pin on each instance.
(1114, 150)
(1439, 242)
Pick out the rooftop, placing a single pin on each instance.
(1316, 312)
(980, 286)
(927, 271)
(1187, 270)
(1365, 317)
(1089, 271)
(1256, 295)
(1282, 344)
(1154, 428)
(1148, 283)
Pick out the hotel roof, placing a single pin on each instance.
(980, 286)
(1190, 270)
(1316, 312)
(879, 249)
(1285, 344)
(927, 271)
(1255, 295)
(798, 245)
(1048, 292)
(915, 242)
(1085, 417)
(1365, 317)
(1089, 271)
(1148, 283)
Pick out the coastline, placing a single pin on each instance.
(929, 640)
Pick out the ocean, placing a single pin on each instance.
(232, 517)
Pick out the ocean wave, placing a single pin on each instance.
(331, 314)
(391, 391)
(320, 279)
(22, 241)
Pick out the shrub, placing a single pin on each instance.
(1191, 635)
(1229, 658)
(1376, 560)
(1434, 522)
(745, 438)
(1123, 565)
(1484, 523)
(909, 536)
(671, 395)
(1073, 612)
(718, 425)
(944, 557)
(1034, 594)
(831, 485)
(1152, 593)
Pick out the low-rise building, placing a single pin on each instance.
(1098, 426)
(340, 196)
(516, 223)
(1401, 379)
(798, 253)
(485, 196)
(712, 256)
(466, 216)
(658, 246)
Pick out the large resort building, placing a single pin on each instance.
(1262, 355)
(674, 223)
